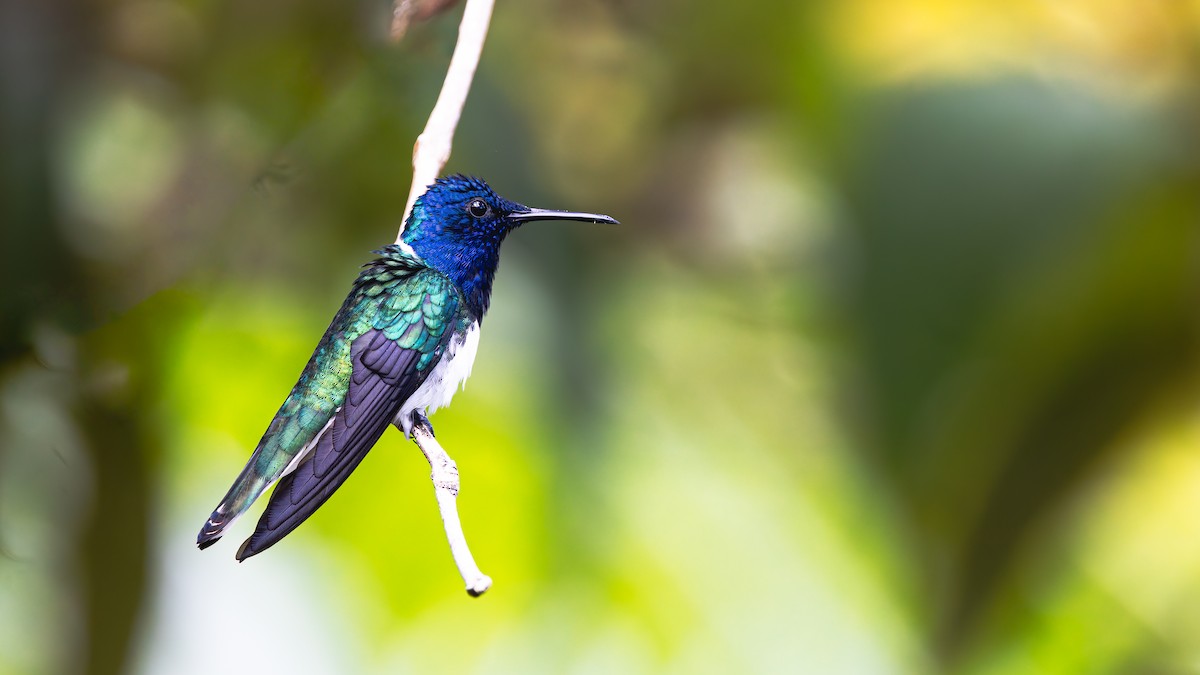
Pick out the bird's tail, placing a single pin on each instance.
(247, 488)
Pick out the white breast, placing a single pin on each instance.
(444, 380)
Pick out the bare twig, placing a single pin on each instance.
(405, 12)
(432, 149)
(445, 485)
(430, 154)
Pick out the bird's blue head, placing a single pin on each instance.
(457, 227)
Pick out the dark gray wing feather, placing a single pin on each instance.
(383, 377)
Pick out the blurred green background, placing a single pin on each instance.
(893, 365)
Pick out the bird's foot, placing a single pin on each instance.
(420, 419)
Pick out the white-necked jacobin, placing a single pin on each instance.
(401, 344)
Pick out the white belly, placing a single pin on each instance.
(444, 380)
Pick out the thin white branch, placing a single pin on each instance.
(445, 484)
(430, 154)
(432, 149)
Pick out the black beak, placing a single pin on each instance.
(546, 214)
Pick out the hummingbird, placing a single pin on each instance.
(402, 343)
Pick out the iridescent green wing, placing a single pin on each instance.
(389, 361)
(397, 296)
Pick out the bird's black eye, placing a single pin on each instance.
(477, 208)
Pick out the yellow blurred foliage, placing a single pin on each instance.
(1145, 47)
